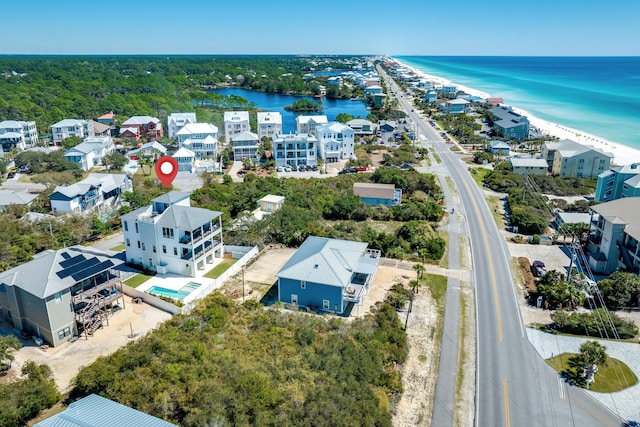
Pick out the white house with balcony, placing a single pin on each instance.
(235, 122)
(186, 159)
(17, 134)
(97, 189)
(269, 124)
(245, 146)
(177, 121)
(308, 124)
(170, 236)
(71, 127)
(571, 159)
(295, 149)
(335, 142)
(201, 138)
(90, 152)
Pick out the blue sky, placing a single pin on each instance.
(420, 27)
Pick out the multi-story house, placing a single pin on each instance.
(614, 236)
(456, 106)
(61, 294)
(245, 146)
(447, 89)
(528, 166)
(71, 127)
(17, 134)
(295, 149)
(151, 149)
(328, 274)
(201, 138)
(177, 121)
(617, 182)
(308, 124)
(185, 158)
(509, 124)
(146, 127)
(97, 189)
(335, 142)
(170, 236)
(362, 126)
(234, 123)
(269, 124)
(90, 152)
(568, 158)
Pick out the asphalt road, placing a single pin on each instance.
(514, 386)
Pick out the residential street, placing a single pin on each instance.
(514, 386)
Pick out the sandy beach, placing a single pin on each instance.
(622, 154)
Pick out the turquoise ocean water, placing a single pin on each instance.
(597, 95)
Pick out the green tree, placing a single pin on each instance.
(8, 347)
(593, 353)
(115, 161)
(419, 269)
(620, 289)
(70, 142)
(344, 117)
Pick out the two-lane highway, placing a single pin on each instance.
(514, 387)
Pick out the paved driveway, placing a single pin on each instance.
(553, 256)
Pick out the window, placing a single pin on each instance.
(126, 226)
(150, 262)
(128, 242)
(325, 304)
(138, 244)
(294, 299)
(167, 233)
(175, 251)
(57, 297)
(154, 249)
(64, 333)
(143, 248)
(164, 249)
(137, 231)
(303, 284)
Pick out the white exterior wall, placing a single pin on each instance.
(235, 123)
(65, 206)
(176, 121)
(82, 129)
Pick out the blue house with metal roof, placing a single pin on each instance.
(97, 411)
(328, 274)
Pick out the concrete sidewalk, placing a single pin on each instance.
(625, 402)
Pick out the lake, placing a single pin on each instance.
(276, 102)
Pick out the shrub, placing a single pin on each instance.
(593, 323)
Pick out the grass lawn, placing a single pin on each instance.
(137, 280)
(478, 174)
(438, 286)
(216, 271)
(143, 175)
(117, 248)
(614, 376)
(494, 205)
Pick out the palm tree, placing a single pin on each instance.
(419, 268)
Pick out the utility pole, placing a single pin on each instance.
(413, 292)
(242, 282)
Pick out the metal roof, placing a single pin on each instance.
(371, 190)
(269, 117)
(326, 261)
(623, 210)
(50, 271)
(186, 217)
(198, 128)
(96, 411)
(172, 197)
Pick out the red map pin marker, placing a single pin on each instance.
(166, 169)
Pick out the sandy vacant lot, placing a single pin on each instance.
(67, 359)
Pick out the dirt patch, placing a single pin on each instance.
(527, 275)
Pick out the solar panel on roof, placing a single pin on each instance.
(71, 261)
(65, 255)
(92, 271)
(77, 267)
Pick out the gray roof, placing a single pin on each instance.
(499, 145)
(623, 210)
(573, 217)
(172, 197)
(506, 113)
(245, 136)
(528, 163)
(569, 148)
(106, 182)
(10, 197)
(42, 276)
(177, 216)
(149, 145)
(140, 120)
(634, 181)
(85, 148)
(68, 123)
(96, 411)
(326, 261)
(371, 190)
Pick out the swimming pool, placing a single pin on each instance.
(180, 294)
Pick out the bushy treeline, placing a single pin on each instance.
(50, 88)
(23, 399)
(236, 365)
(594, 323)
(329, 208)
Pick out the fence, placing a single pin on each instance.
(152, 300)
(243, 254)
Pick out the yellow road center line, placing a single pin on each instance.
(496, 299)
(505, 390)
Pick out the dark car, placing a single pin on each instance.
(538, 264)
(314, 167)
(11, 175)
(538, 271)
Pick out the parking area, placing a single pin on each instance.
(552, 256)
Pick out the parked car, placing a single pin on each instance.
(280, 169)
(538, 272)
(11, 175)
(287, 169)
(294, 168)
(538, 264)
(314, 167)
